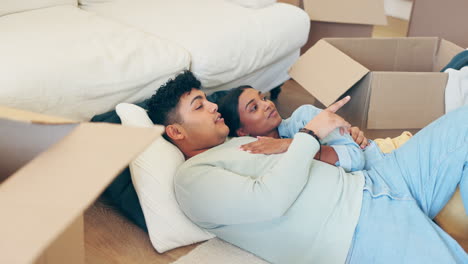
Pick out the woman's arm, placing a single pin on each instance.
(339, 150)
(268, 145)
(348, 153)
(327, 154)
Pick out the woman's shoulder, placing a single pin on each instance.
(301, 116)
(306, 110)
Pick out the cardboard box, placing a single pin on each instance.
(342, 18)
(51, 170)
(445, 19)
(394, 83)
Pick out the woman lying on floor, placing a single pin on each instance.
(247, 112)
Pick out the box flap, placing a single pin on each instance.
(45, 196)
(370, 12)
(326, 72)
(20, 142)
(26, 116)
(405, 100)
(447, 50)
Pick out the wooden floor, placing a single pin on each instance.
(395, 28)
(110, 238)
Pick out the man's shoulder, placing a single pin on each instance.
(219, 152)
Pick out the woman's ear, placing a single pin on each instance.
(241, 132)
(175, 132)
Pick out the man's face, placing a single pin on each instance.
(258, 115)
(202, 124)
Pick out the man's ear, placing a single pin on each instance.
(241, 132)
(175, 132)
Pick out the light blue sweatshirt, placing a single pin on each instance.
(350, 155)
(285, 208)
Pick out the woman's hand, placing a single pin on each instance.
(358, 137)
(267, 145)
(326, 121)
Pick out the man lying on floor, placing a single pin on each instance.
(290, 208)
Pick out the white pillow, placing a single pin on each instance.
(253, 3)
(152, 175)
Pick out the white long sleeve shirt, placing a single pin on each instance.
(285, 208)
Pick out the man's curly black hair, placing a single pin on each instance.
(162, 105)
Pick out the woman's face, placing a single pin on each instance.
(258, 115)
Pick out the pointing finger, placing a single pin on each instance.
(336, 106)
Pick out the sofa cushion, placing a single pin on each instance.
(68, 62)
(226, 41)
(15, 6)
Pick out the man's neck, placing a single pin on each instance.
(191, 153)
(189, 150)
(273, 134)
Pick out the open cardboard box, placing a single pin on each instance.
(395, 83)
(51, 170)
(341, 18)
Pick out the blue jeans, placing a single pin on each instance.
(405, 191)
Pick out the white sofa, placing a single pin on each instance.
(76, 60)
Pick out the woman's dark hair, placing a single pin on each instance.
(228, 108)
(162, 105)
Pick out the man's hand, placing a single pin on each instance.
(326, 121)
(358, 137)
(267, 145)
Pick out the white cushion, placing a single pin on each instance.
(152, 175)
(226, 41)
(15, 6)
(254, 3)
(68, 62)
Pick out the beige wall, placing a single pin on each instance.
(445, 19)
